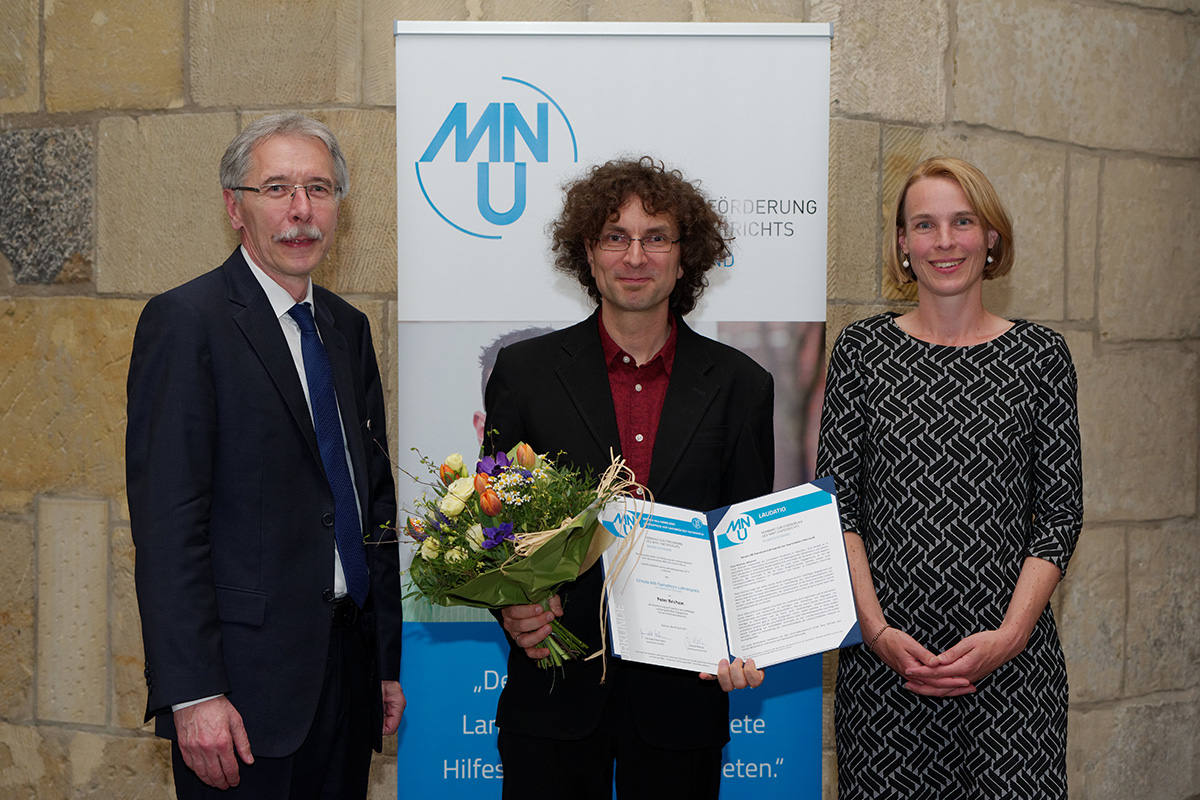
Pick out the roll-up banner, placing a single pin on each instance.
(492, 119)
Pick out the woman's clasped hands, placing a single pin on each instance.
(952, 673)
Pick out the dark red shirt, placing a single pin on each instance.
(638, 393)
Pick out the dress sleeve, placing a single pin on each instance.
(1057, 469)
(843, 428)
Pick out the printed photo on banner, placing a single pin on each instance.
(461, 355)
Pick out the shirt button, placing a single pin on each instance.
(638, 437)
(637, 387)
(625, 359)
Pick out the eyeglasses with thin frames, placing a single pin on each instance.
(654, 243)
(316, 192)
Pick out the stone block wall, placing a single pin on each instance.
(1085, 113)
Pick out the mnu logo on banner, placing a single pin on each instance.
(476, 171)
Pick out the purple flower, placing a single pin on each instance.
(492, 465)
(500, 533)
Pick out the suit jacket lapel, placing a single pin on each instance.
(588, 387)
(253, 314)
(689, 394)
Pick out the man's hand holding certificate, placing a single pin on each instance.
(765, 580)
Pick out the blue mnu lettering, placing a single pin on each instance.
(500, 129)
(538, 144)
(483, 195)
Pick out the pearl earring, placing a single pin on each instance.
(989, 258)
(905, 262)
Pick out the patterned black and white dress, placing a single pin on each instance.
(953, 464)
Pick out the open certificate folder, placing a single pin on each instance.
(766, 579)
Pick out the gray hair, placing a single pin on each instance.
(236, 161)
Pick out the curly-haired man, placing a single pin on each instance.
(692, 418)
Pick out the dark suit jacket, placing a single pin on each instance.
(714, 446)
(230, 510)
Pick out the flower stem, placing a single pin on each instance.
(563, 645)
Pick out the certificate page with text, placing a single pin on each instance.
(784, 577)
(766, 579)
(664, 606)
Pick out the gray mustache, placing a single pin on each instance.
(299, 232)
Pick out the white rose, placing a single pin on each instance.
(457, 495)
(451, 506)
(430, 548)
(475, 537)
(455, 462)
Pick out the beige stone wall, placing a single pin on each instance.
(113, 114)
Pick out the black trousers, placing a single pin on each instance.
(334, 760)
(555, 769)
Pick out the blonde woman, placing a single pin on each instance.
(953, 437)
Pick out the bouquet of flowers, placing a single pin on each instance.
(512, 532)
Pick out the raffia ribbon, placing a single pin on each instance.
(616, 482)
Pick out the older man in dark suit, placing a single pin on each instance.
(692, 418)
(258, 479)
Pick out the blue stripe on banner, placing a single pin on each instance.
(774, 750)
(452, 676)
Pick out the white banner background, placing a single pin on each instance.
(744, 108)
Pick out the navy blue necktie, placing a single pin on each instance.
(346, 528)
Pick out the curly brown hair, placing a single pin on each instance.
(595, 199)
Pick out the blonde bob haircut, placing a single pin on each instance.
(984, 202)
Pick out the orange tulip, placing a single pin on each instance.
(482, 481)
(489, 503)
(525, 456)
(416, 528)
(447, 474)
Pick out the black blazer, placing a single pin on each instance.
(230, 510)
(714, 446)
